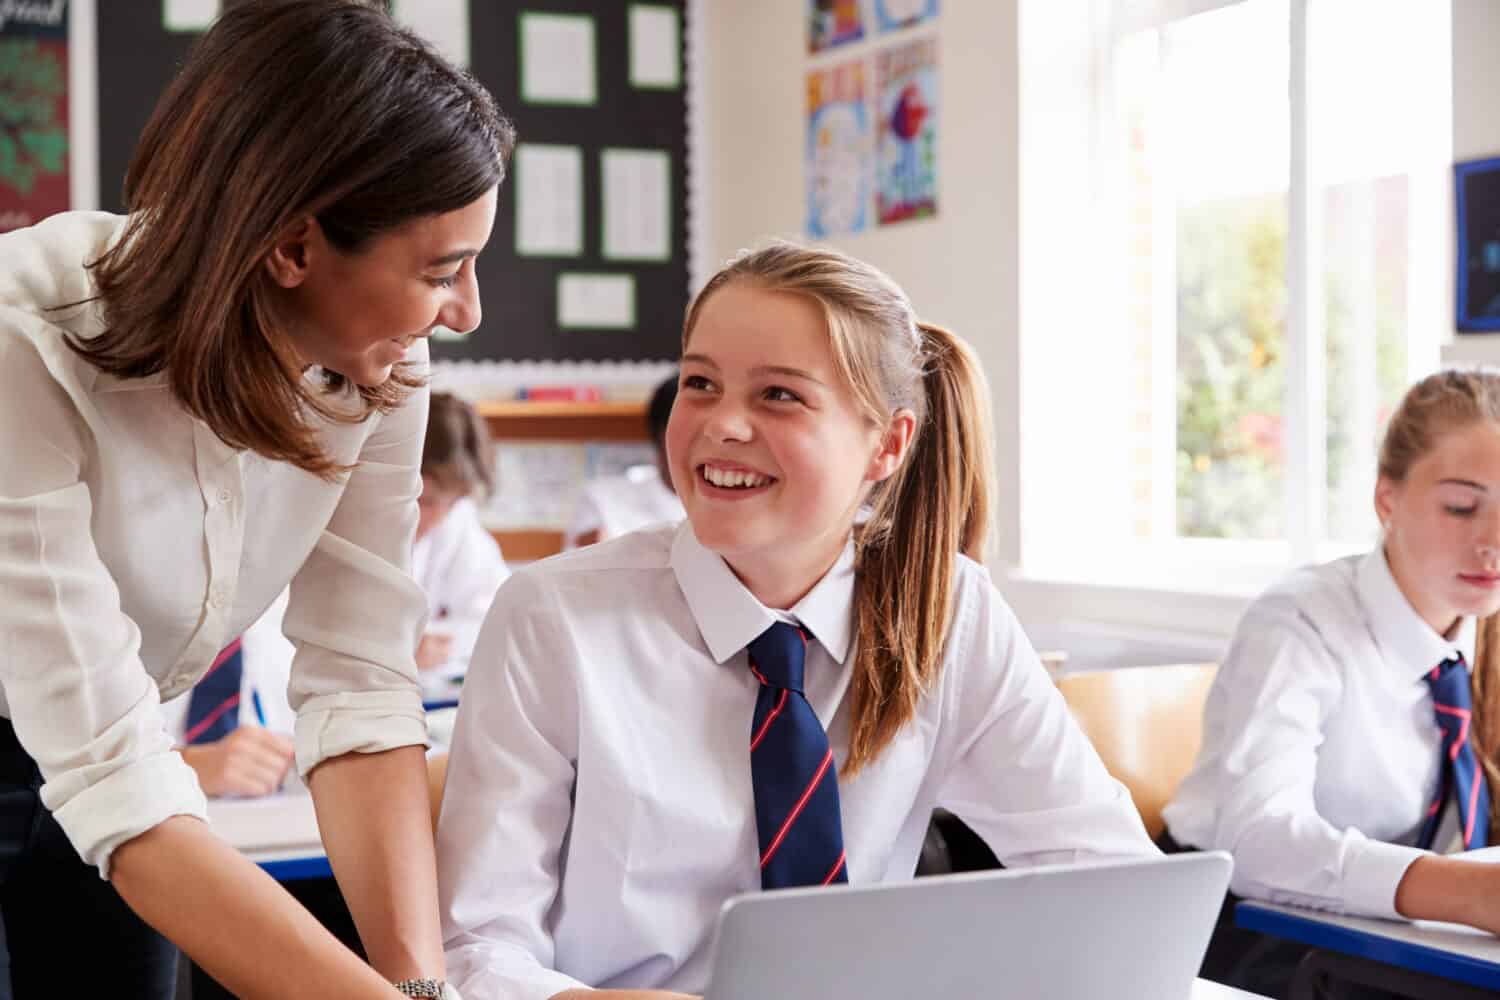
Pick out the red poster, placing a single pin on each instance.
(33, 111)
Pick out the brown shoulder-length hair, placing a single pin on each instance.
(935, 506)
(1439, 404)
(285, 109)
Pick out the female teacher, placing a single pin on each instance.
(200, 402)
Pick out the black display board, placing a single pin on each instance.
(138, 57)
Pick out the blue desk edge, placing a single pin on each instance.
(1405, 954)
(293, 869)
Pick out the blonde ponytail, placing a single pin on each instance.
(935, 507)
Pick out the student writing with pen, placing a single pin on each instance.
(233, 728)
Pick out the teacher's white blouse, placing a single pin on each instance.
(134, 544)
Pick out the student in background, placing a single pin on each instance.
(1339, 761)
(455, 559)
(613, 505)
(656, 723)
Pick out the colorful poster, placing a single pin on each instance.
(838, 151)
(907, 110)
(33, 112)
(834, 22)
(892, 15)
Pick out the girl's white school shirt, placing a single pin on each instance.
(599, 807)
(134, 545)
(459, 567)
(1321, 749)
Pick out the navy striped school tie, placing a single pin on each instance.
(1462, 774)
(791, 767)
(213, 708)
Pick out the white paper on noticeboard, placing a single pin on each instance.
(188, 15)
(637, 204)
(655, 51)
(557, 59)
(549, 200)
(596, 301)
(444, 23)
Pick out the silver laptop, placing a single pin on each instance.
(1119, 930)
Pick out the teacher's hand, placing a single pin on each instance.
(249, 761)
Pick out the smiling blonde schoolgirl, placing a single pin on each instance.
(763, 696)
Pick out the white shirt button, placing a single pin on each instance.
(218, 597)
(225, 496)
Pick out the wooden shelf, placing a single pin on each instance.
(519, 420)
(562, 421)
(528, 544)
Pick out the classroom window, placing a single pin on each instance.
(1262, 185)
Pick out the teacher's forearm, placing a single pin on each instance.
(233, 919)
(374, 816)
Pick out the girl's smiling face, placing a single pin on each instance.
(768, 445)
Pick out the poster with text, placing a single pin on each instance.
(834, 22)
(893, 15)
(907, 112)
(33, 112)
(838, 151)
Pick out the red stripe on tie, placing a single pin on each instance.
(770, 718)
(211, 717)
(832, 872)
(1463, 730)
(1432, 809)
(758, 675)
(224, 654)
(1473, 801)
(765, 858)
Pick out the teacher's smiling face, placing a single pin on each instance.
(357, 312)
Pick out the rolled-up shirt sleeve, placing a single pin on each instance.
(75, 688)
(355, 613)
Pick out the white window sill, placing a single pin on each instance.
(1128, 625)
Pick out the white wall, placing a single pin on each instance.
(1476, 128)
(1476, 79)
(960, 268)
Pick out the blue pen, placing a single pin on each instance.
(260, 713)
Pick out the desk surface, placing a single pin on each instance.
(1452, 951)
(278, 832)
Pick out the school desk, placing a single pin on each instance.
(278, 832)
(1424, 960)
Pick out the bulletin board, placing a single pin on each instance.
(603, 277)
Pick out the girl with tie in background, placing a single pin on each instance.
(1351, 734)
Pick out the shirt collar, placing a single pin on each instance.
(1410, 645)
(729, 616)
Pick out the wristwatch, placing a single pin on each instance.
(428, 988)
